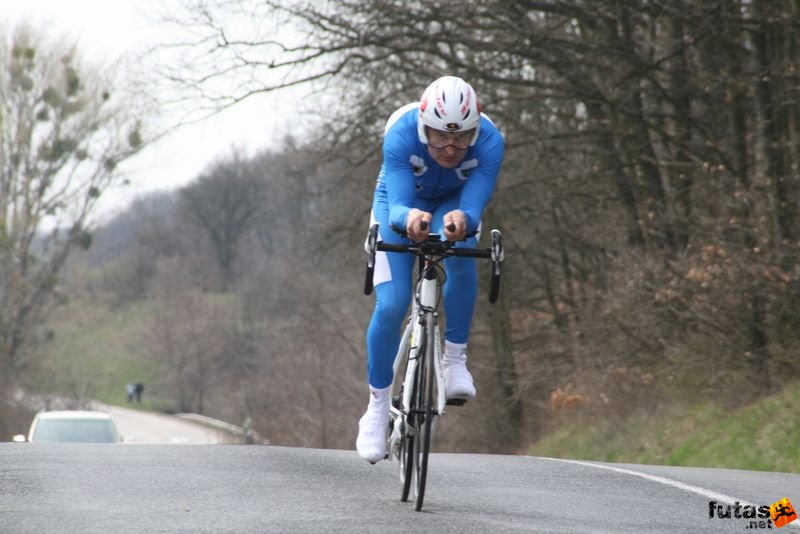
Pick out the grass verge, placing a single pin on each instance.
(763, 436)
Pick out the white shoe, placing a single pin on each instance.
(373, 425)
(458, 383)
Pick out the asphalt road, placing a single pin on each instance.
(87, 488)
(146, 427)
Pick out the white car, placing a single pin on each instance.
(74, 426)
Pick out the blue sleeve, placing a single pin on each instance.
(398, 177)
(479, 188)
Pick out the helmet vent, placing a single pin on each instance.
(437, 113)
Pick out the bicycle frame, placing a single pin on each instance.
(424, 304)
(423, 399)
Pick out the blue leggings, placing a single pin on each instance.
(393, 292)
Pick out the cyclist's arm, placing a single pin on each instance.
(398, 177)
(479, 188)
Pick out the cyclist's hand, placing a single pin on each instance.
(414, 224)
(455, 225)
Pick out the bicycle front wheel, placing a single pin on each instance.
(409, 445)
(424, 414)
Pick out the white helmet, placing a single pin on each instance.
(451, 105)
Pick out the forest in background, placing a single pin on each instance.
(649, 201)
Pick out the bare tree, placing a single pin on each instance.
(63, 133)
(649, 193)
(188, 338)
(225, 203)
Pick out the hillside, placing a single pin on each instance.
(93, 349)
(96, 350)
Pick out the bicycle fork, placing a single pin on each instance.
(410, 345)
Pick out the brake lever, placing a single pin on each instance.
(371, 244)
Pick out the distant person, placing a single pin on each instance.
(138, 389)
(131, 389)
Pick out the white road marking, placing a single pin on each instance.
(712, 495)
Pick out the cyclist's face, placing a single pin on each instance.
(448, 148)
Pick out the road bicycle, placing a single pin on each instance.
(418, 390)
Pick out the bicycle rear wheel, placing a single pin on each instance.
(406, 464)
(410, 441)
(424, 414)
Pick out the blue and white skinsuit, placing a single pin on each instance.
(410, 178)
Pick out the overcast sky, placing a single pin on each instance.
(103, 31)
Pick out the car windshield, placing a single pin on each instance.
(75, 430)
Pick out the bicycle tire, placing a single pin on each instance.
(409, 445)
(425, 413)
(406, 466)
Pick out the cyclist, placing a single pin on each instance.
(441, 158)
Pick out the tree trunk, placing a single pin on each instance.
(499, 315)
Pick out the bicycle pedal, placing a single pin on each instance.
(456, 402)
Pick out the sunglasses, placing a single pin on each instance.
(439, 139)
